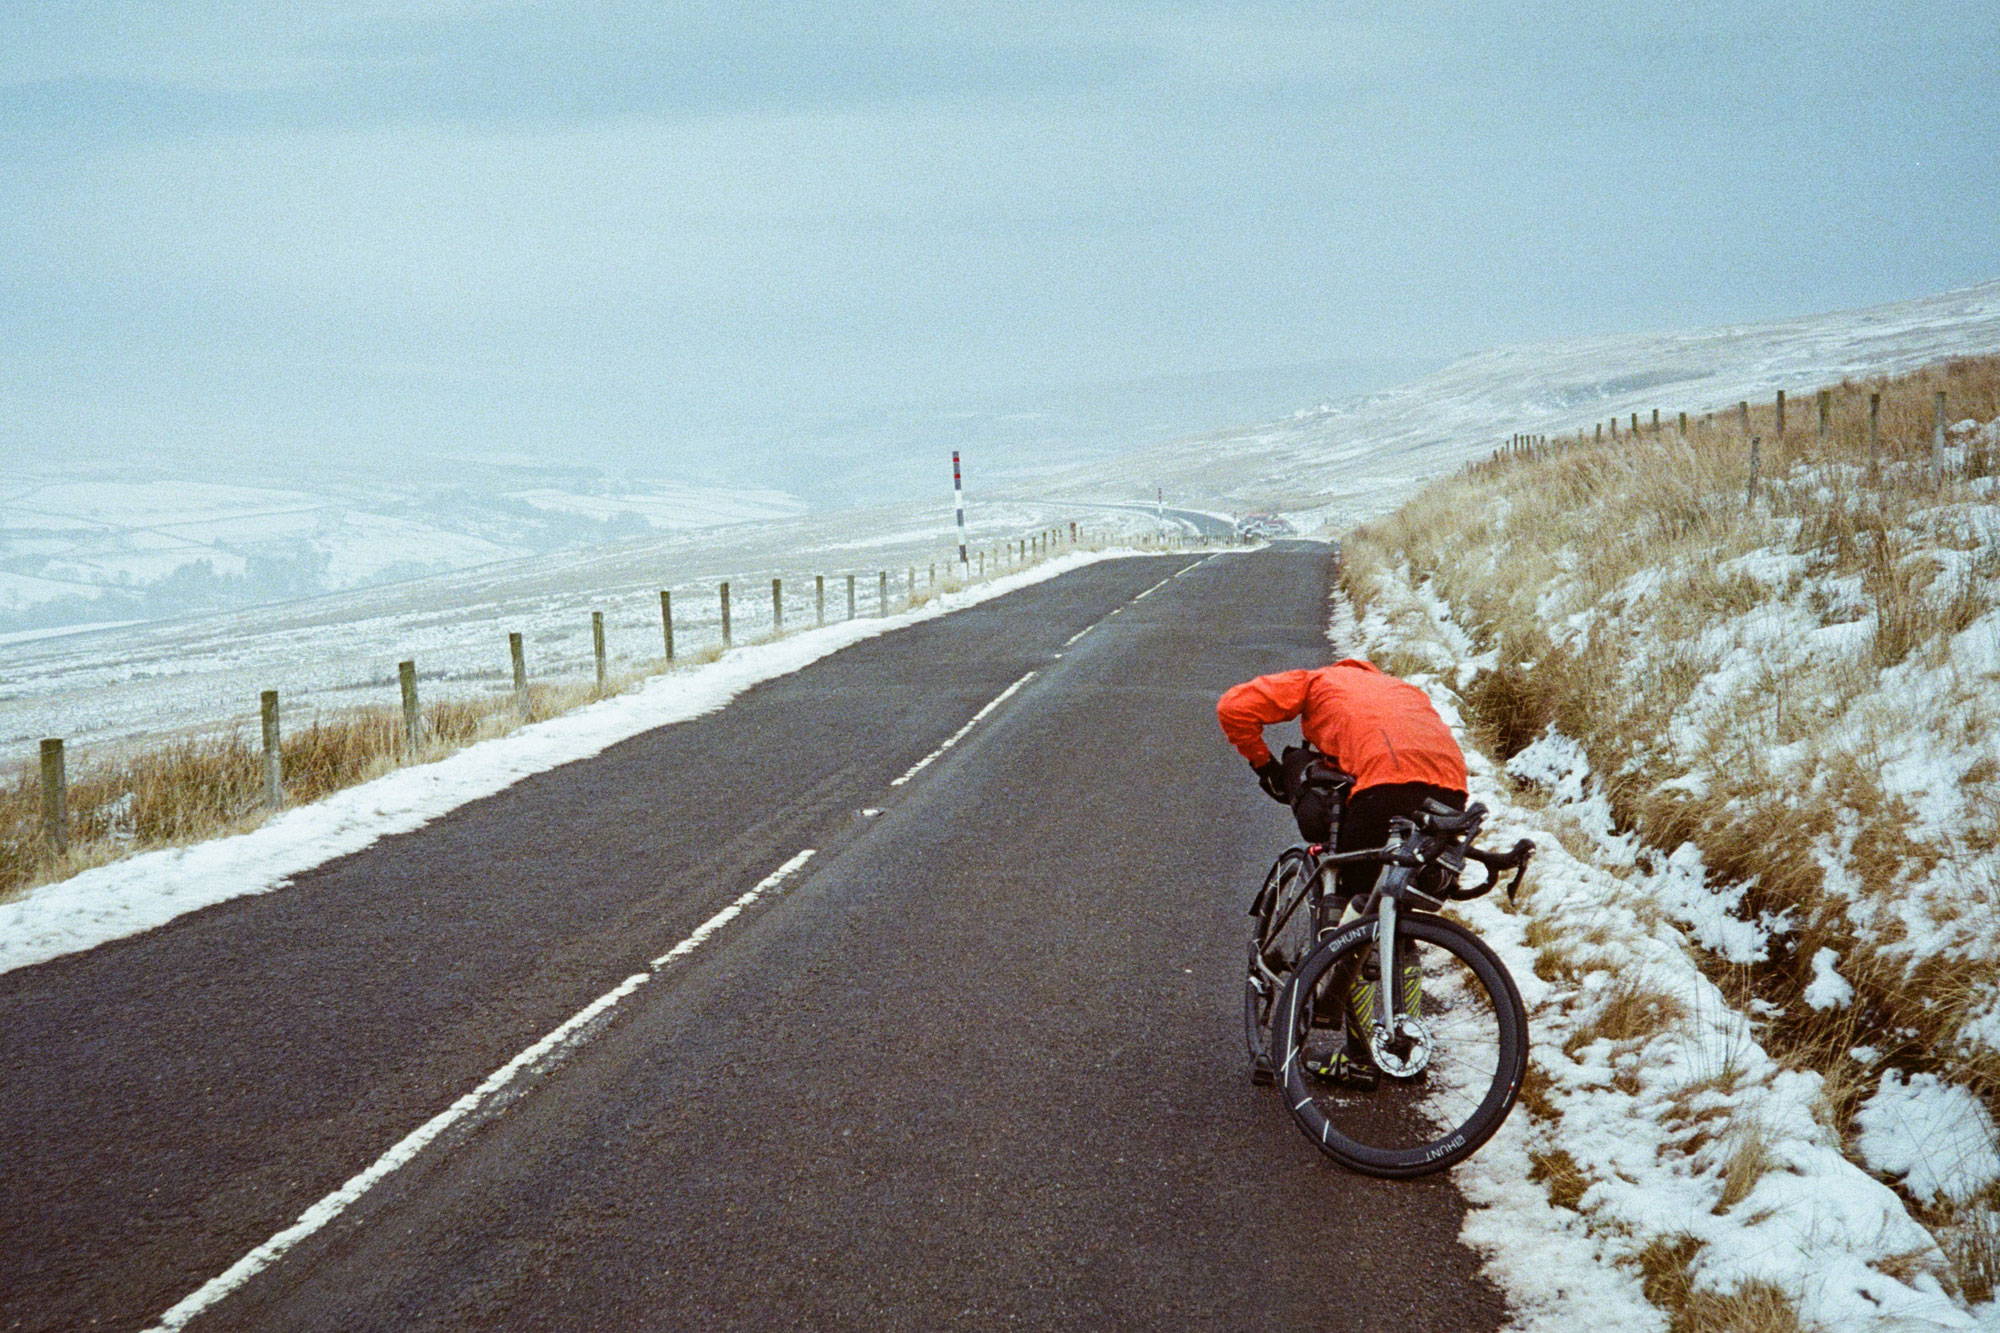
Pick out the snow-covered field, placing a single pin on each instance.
(1339, 465)
(134, 681)
(160, 544)
(1327, 468)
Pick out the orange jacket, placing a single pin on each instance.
(1372, 725)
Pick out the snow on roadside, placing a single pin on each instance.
(1935, 1136)
(148, 890)
(1673, 1137)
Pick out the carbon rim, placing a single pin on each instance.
(1477, 1029)
(1279, 941)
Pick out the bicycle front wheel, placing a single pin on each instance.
(1453, 1073)
(1279, 941)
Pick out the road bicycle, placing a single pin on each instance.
(1393, 1080)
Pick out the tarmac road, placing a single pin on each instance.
(977, 1064)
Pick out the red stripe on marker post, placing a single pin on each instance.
(958, 500)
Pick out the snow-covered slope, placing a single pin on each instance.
(1344, 464)
(125, 682)
(142, 544)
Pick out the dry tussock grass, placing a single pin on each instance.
(1878, 541)
(1631, 1011)
(1970, 1237)
(1557, 1172)
(1665, 1275)
(1746, 1164)
(203, 785)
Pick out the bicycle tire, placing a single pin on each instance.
(1465, 990)
(1277, 945)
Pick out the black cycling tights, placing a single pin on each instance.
(1365, 823)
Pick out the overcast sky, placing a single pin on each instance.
(600, 227)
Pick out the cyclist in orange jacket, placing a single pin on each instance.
(1381, 730)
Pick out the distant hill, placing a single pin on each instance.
(1355, 459)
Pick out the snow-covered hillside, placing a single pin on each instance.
(124, 682)
(142, 545)
(1343, 464)
(1766, 716)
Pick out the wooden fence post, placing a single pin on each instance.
(777, 607)
(1750, 499)
(1684, 425)
(723, 592)
(850, 596)
(1635, 425)
(274, 769)
(413, 720)
(55, 795)
(1656, 421)
(882, 592)
(982, 565)
(597, 646)
(518, 651)
(910, 587)
(1937, 428)
(1614, 429)
(819, 599)
(667, 621)
(1779, 432)
(1874, 435)
(1600, 433)
(1825, 413)
(1743, 417)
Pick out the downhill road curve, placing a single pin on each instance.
(976, 1063)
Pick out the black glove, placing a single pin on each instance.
(1271, 777)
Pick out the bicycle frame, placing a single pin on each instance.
(1400, 860)
(1397, 1022)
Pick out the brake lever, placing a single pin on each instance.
(1524, 850)
(1515, 860)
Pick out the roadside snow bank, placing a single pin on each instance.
(1658, 1146)
(150, 889)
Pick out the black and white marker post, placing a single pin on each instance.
(958, 498)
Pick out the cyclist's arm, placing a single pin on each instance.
(1247, 709)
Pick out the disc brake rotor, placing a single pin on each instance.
(1413, 1036)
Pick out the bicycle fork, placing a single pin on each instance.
(1395, 992)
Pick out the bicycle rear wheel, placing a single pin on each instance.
(1280, 939)
(1470, 1046)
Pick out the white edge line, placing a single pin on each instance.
(959, 735)
(330, 1207)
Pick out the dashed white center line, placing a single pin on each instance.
(1196, 565)
(537, 1059)
(959, 735)
(730, 913)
